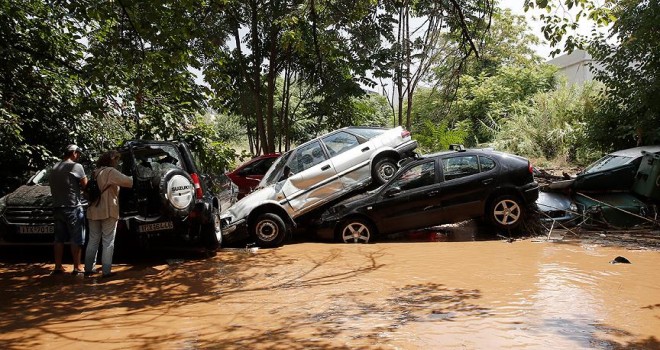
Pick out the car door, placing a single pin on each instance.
(350, 156)
(312, 180)
(411, 200)
(468, 180)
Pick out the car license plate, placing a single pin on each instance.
(36, 229)
(156, 226)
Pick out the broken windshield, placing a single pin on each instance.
(606, 163)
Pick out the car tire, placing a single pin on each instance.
(356, 231)
(211, 233)
(177, 192)
(384, 170)
(269, 230)
(506, 212)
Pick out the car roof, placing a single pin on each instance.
(468, 151)
(636, 151)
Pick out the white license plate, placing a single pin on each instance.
(156, 226)
(36, 229)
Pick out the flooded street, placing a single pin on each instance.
(389, 295)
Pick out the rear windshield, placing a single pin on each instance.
(367, 133)
(152, 159)
(606, 163)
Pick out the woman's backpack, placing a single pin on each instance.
(93, 191)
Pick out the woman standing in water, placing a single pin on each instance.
(104, 213)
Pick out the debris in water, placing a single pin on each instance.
(620, 260)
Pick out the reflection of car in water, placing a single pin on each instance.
(26, 214)
(311, 176)
(248, 175)
(435, 189)
(614, 190)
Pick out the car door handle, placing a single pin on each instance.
(325, 167)
(487, 181)
(365, 149)
(432, 193)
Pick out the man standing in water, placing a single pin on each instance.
(66, 180)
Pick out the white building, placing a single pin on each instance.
(576, 66)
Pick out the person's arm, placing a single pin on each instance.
(83, 182)
(119, 179)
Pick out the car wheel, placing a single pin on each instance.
(356, 231)
(269, 230)
(177, 192)
(384, 169)
(506, 212)
(211, 233)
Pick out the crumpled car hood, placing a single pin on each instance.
(37, 196)
(243, 207)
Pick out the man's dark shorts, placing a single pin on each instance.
(69, 225)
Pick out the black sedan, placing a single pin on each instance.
(436, 189)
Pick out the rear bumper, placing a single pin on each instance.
(407, 149)
(530, 192)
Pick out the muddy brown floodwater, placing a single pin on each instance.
(528, 294)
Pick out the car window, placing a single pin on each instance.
(368, 133)
(457, 167)
(486, 163)
(259, 167)
(607, 162)
(153, 159)
(340, 142)
(418, 176)
(306, 157)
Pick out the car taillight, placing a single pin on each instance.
(405, 133)
(198, 186)
(530, 167)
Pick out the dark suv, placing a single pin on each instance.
(26, 214)
(170, 202)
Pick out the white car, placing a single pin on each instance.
(313, 174)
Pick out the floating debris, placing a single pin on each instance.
(620, 260)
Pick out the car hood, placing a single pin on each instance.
(243, 207)
(34, 195)
(550, 201)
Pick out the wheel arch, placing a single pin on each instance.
(271, 208)
(386, 153)
(501, 191)
(354, 216)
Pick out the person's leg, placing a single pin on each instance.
(109, 228)
(92, 245)
(61, 236)
(77, 230)
(58, 251)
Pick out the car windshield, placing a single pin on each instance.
(153, 159)
(606, 163)
(273, 174)
(368, 133)
(41, 177)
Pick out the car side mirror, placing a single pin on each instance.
(392, 191)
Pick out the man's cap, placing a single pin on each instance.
(73, 148)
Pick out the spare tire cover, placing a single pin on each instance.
(177, 191)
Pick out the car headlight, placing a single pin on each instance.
(573, 207)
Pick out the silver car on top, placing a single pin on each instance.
(313, 174)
